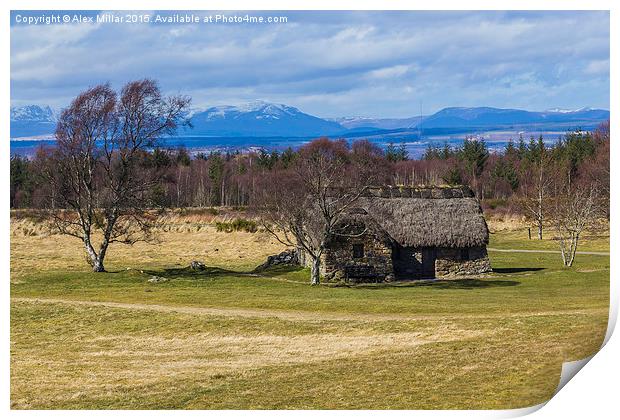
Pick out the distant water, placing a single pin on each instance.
(496, 140)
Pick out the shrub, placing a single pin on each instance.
(236, 226)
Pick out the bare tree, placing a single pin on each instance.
(535, 188)
(596, 169)
(574, 210)
(303, 206)
(99, 173)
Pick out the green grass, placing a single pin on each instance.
(491, 342)
(521, 279)
(518, 239)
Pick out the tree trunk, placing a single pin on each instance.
(90, 251)
(573, 250)
(540, 215)
(315, 271)
(98, 265)
(540, 230)
(569, 250)
(103, 248)
(563, 252)
(540, 201)
(96, 259)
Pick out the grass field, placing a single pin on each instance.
(230, 338)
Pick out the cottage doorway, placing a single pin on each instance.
(414, 263)
(429, 256)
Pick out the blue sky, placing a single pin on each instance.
(377, 64)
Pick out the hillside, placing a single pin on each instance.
(260, 119)
(265, 119)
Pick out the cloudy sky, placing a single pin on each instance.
(378, 64)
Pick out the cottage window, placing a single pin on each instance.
(358, 250)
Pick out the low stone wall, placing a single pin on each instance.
(289, 257)
(451, 262)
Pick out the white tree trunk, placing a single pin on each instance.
(95, 260)
(540, 214)
(540, 229)
(315, 271)
(98, 265)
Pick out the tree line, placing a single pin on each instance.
(108, 174)
(229, 178)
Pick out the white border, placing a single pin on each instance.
(592, 394)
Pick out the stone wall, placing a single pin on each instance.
(452, 262)
(288, 257)
(376, 264)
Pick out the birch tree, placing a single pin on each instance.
(574, 211)
(537, 181)
(99, 172)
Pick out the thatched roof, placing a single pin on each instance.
(446, 217)
(357, 221)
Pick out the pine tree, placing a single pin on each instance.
(287, 157)
(402, 153)
(446, 151)
(474, 154)
(391, 153)
(522, 148)
(510, 150)
(431, 153)
(452, 176)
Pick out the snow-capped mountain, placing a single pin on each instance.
(260, 118)
(33, 113)
(265, 119)
(380, 123)
(568, 111)
(483, 117)
(32, 121)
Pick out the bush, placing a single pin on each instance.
(236, 226)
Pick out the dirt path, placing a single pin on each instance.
(294, 315)
(547, 251)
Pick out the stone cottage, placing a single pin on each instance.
(409, 233)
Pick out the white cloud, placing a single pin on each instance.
(333, 63)
(599, 67)
(389, 72)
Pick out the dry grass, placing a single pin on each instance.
(506, 222)
(226, 339)
(86, 357)
(182, 240)
(304, 315)
(511, 231)
(103, 362)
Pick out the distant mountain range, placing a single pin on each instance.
(264, 119)
(352, 123)
(260, 119)
(32, 121)
(483, 117)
